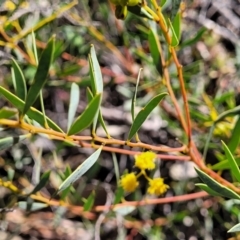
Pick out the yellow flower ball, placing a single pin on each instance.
(129, 182)
(157, 186)
(145, 160)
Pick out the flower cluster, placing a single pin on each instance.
(144, 161)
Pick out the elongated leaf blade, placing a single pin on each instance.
(231, 112)
(34, 206)
(97, 75)
(100, 117)
(177, 25)
(235, 228)
(96, 80)
(235, 137)
(42, 183)
(175, 40)
(74, 101)
(10, 141)
(89, 202)
(7, 112)
(84, 167)
(155, 50)
(215, 186)
(86, 118)
(124, 210)
(232, 162)
(19, 81)
(40, 76)
(207, 189)
(144, 113)
(32, 113)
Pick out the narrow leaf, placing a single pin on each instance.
(86, 118)
(154, 46)
(40, 76)
(84, 167)
(235, 228)
(232, 162)
(144, 113)
(175, 40)
(89, 202)
(100, 116)
(177, 25)
(96, 71)
(10, 141)
(217, 187)
(118, 195)
(43, 181)
(231, 112)
(19, 81)
(96, 80)
(32, 113)
(207, 189)
(34, 206)
(235, 137)
(124, 210)
(74, 101)
(6, 112)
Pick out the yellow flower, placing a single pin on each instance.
(145, 160)
(129, 182)
(157, 186)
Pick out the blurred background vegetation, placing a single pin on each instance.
(209, 51)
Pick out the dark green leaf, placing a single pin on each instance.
(40, 76)
(84, 167)
(118, 195)
(207, 189)
(215, 186)
(89, 202)
(162, 2)
(232, 162)
(6, 112)
(155, 50)
(235, 137)
(177, 26)
(32, 113)
(86, 118)
(144, 113)
(19, 81)
(43, 181)
(175, 40)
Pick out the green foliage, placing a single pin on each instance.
(46, 128)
